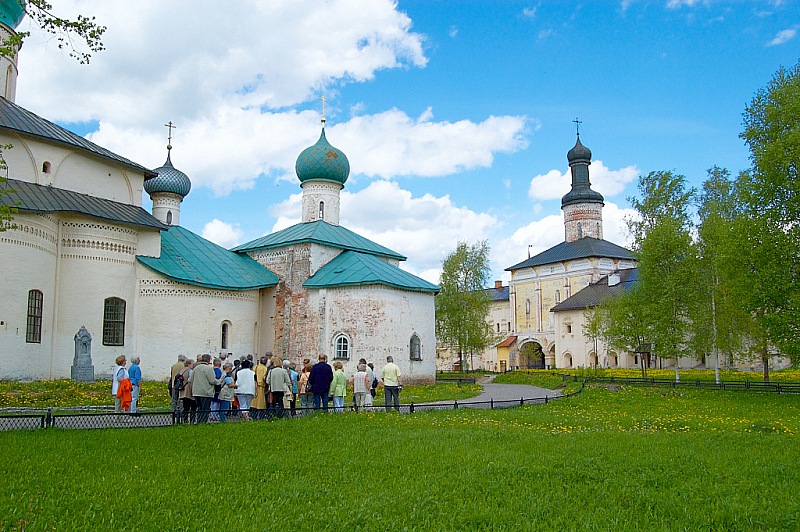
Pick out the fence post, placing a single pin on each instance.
(545, 399)
(747, 384)
(412, 408)
(455, 405)
(521, 401)
(48, 420)
(491, 403)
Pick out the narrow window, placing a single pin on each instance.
(46, 167)
(415, 353)
(528, 307)
(33, 334)
(169, 217)
(569, 328)
(558, 296)
(321, 210)
(341, 347)
(114, 321)
(580, 230)
(226, 329)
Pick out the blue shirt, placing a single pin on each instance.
(293, 374)
(135, 374)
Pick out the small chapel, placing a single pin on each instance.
(89, 274)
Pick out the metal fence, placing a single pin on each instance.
(147, 419)
(770, 387)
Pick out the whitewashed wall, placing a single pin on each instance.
(379, 321)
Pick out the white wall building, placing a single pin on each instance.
(83, 252)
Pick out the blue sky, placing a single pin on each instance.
(456, 116)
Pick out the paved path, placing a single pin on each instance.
(498, 395)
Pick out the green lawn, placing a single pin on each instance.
(626, 458)
(68, 394)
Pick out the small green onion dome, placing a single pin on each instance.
(11, 13)
(322, 162)
(169, 179)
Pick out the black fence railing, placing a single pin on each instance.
(459, 380)
(770, 387)
(151, 419)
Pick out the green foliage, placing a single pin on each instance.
(70, 35)
(770, 197)
(462, 304)
(636, 459)
(657, 310)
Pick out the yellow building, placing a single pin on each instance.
(543, 281)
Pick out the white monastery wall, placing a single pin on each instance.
(27, 262)
(47, 164)
(379, 321)
(179, 319)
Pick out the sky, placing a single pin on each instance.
(456, 117)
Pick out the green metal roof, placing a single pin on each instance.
(582, 248)
(354, 269)
(18, 119)
(30, 197)
(191, 259)
(320, 232)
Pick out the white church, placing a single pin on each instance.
(83, 256)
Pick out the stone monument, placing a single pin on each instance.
(82, 368)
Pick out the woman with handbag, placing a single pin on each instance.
(227, 392)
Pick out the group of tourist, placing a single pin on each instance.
(126, 385)
(203, 390)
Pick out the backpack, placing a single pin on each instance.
(179, 383)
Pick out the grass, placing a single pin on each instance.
(62, 394)
(621, 458)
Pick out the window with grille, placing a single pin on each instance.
(114, 321)
(341, 347)
(33, 333)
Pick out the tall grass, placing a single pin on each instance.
(621, 459)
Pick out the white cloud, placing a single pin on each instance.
(221, 233)
(675, 4)
(530, 12)
(554, 184)
(783, 37)
(453, 31)
(231, 148)
(392, 144)
(162, 60)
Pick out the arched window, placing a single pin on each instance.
(225, 335)
(321, 210)
(341, 347)
(415, 353)
(114, 321)
(169, 217)
(580, 230)
(558, 296)
(46, 167)
(528, 307)
(33, 334)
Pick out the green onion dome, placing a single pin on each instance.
(11, 13)
(322, 162)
